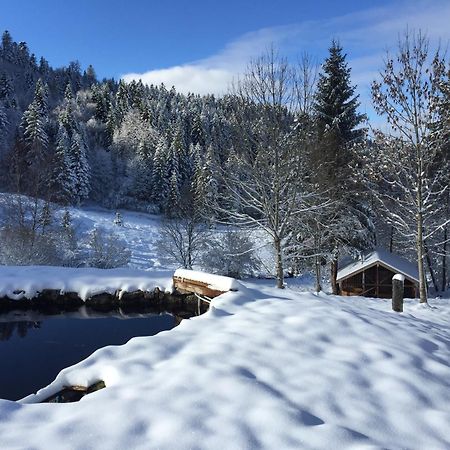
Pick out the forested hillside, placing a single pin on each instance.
(287, 151)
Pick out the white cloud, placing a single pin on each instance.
(187, 78)
(365, 35)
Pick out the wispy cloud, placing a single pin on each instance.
(365, 35)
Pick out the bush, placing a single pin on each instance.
(21, 246)
(230, 254)
(106, 251)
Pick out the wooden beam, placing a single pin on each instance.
(185, 286)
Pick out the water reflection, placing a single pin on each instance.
(34, 347)
(7, 329)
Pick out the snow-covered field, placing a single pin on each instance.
(263, 368)
(140, 231)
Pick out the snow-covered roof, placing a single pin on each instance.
(389, 260)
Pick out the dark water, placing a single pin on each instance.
(33, 352)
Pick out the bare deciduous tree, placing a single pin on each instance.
(266, 182)
(407, 165)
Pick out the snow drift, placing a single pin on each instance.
(263, 368)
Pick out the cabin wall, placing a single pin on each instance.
(375, 281)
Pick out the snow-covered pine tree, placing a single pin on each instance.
(174, 197)
(339, 134)
(206, 184)
(41, 97)
(45, 217)
(89, 76)
(67, 116)
(7, 92)
(7, 47)
(62, 180)
(66, 221)
(118, 219)
(3, 121)
(80, 168)
(33, 125)
(160, 173)
(122, 100)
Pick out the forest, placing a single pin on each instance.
(286, 152)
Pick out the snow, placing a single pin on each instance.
(217, 282)
(392, 261)
(263, 368)
(27, 281)
(399, 277)
(140, 230)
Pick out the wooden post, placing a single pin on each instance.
(398, 282)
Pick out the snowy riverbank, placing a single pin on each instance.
(27, 281)
(262, 369)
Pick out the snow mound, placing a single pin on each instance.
(264, 369)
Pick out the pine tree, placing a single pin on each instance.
(66, 221)
(34, 133)
(45, 218)
(67, 117)
(41, 97)
(7, 91)
(80, 168)
(206, 189)
(7, 49)
(337, 118)
(174, 197)
(62, 180)
(122, 100)
(89, 76)
(44, 67)
(118, 219)
(160, 173)
(3, 121)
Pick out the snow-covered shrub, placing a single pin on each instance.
(230, 253)
(22, 246)
(182, 239)
(106, 251)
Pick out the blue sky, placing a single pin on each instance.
(201, 45)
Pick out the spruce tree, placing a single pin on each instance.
(62, 181)
(80, 168)
(7, 91)
(3, 121)
(173, 200)
(160, 173)
(7, 48)
(339, 132)
(35, 135)
(338, 119)
(67, 117)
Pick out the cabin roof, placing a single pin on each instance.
(390, 260)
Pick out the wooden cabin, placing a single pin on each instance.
(371, 276)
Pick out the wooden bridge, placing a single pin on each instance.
(203, 284)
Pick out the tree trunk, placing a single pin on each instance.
(444, 260)
(430, 268)
(334, 270)
(318, 274)
(420, 258)
(279, 263)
